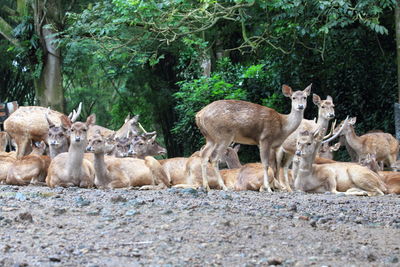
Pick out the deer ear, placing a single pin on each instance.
(287, 90)
(51, 124)
(316, 99)
(335, 147)
(352, 121)
(135, 119)
(66, 122)
(329, 98)
(127, 118)
(308, 89)
(91, 120)
(236, 148)
(151, 140)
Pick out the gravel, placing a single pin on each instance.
(185, 227)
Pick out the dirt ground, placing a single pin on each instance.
(174, 227)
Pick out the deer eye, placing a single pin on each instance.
(293, 98)
(304, 97)
(322, 107)
(308, 144)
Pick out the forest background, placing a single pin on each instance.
(165, 60)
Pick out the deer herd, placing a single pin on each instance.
(57, 150)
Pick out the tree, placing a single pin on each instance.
(37, 44)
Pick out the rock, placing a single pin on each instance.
(132, 212)
(313, 223)
(304, 218)
(190, 191)
(225, 195)
(54, 259)
(394, 259)
(275, 261)
(166, 212)
(25, 216)
(93, 212)
(118, 198)
(20, 196)
(371, 257)
(59, 211)
(293, 208)
(81, 202)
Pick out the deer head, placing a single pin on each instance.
(299, 98)
(347, 127)
(370, 162)
(325, 107)
(146, 145)
(38, 148)
(79, 130)
(57, 136)
(326, 150)
(307, 142)
(98, 144)
(122, 147)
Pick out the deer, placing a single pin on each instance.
(57, 137)
(326, 151)
(286, 151)
(4, 141)
(72, 168)
(390, 178)
(186, 172)
(383, 145)
(225, 121)
(30, 169)
(251, 177)
(6, 160)
(145, 145)
(112, 172)
(350, 178)
(29, 124)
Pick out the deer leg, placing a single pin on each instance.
(214, 162)
(205, 155)
(264, 154)
(284, 181)
(22, 146)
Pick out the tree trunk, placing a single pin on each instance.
(49, 90)
(48, 87)
(397, 18)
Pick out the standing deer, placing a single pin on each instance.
(29, 124)
(383, 145)
(225, 121)
(71, 168)
(351, 178)
(112, 172)
(31, 168)
(286, 151)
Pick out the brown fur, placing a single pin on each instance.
(112, 172)
(71, 168)
(29, 124)
(337, 177)
(285, 153)
(225, 121)
(29, 169)
(4, 141)
(383, 145)
(392, 181)
(230, 177)
(251, 177)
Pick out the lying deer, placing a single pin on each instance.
(112, 172)
(71, 168)
(351, 178)
(31, 168)
(225, 121)
(286, 151)
(251, 176)
(383, 145)
(186, 172)
(28, 124)
(390, 178)
(146, 145)
(57, 137)
(6, 161)
(131, 125)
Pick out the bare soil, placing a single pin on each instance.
(40, 226)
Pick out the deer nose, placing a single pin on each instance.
(53, 142)
(331, 115)
(300, 106)
(298, 153)
(77, 138)
(131, 153)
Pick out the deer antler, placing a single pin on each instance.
(73, 116)
(141, 128)
(331, 131)
(337, 134)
